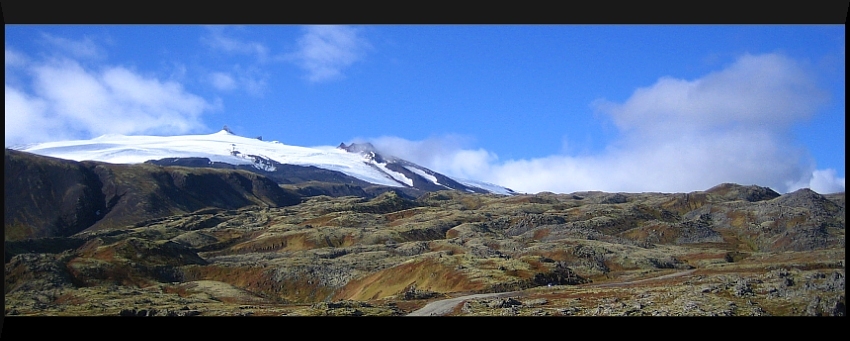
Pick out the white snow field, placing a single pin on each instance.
(226, 147)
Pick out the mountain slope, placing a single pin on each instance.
(49, 197)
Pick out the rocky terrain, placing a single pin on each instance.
(185, 247)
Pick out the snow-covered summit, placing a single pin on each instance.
(226, 147)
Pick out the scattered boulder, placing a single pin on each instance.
(504, 303)
(411, 293)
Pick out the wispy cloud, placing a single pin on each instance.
(68, 100)
(222, 81)
(324, 51)
(13, 58)
(676, 136)
(219, 40)
(14, 65)
(251, 79)
(85, 48)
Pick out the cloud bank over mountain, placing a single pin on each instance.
(732, 125)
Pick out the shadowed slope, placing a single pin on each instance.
(48, 197)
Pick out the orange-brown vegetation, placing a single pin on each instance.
(451, 248)
(426, 274)
(395, 218)
(259, 281)
(319, 221)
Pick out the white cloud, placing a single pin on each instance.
(677, 136)
(446, 153)
(821, 181)
(325, 50)
(426, 151)
(759, 90)
(681, 165)
(27, 120)
(825, 181)
(70, 101)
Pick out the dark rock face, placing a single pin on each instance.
(358, 147)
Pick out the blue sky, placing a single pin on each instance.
(561, 108)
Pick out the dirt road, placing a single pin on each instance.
(442, 307)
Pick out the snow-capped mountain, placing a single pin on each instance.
(359, 161)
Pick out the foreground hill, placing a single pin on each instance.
(747, 251)
(48, 197)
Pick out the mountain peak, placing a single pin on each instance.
(358, 147)
(366, 149)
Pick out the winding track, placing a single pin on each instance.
(443, 307)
